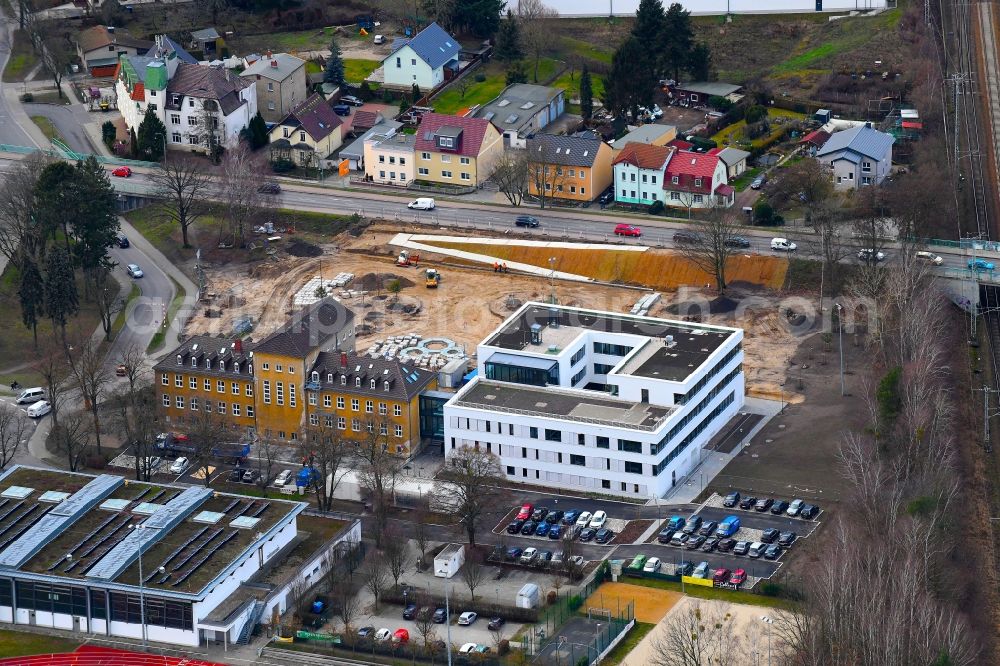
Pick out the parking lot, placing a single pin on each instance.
(752, 519)
(391, 617)
(758, 568)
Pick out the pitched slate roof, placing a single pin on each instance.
(517, 105)
(208, 83)
(170, 46)
(564, 150)
(643, 155)
(215, 356)
(405, 380)
(435, 46)
(314, 116)
(861, 140)
(99, 37)
(309, 328)
(277, 66)
(470, 141)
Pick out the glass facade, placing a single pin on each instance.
(432, 417)
(521, 375)
(159, 612)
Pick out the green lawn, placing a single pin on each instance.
(733, 135)
(20, 644)
(48, 129)
(743, 181)
(357, 69)
(22, 58)
(587, 50)
(570, 82)
(313, 67)
(292, 41)
(628, 644)
(479, 92)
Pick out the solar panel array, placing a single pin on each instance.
(204, 558)
(175, 553)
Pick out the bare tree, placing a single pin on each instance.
(349, 607)
(698, 636)
(20, 237)
(395, 554)
(107, 299)
(207, 432)
(716, 241)
(183, 188)
(510, 173)
(240, 185)
(544, 176)
(14, 428)
(376, 575)
(72, 438)
(426, 629)
(52, 368)
(534, 17)
(421, 536)
(325, 450)
(132, 360)
(266, 453)
(470, 487)
(129, 417)
(377, 468)
(473, 573)
(831, 229)
(91, 378)
(53, 43)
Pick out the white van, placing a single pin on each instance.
(28, 396)
(423, 203)
(783, 245)
(930, 257)
(39, 409)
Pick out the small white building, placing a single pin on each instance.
(449, 560)
(857, 157)
(528, 596)
(422, 60)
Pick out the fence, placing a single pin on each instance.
(963, 244)
(66, 153)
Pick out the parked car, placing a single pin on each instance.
(678, 539)
(555, 532)
(772, 552)
(736, 241)
(235, 475)
(769, 535)
(440, 615)
(515, 527)
(675, 522)
(722, 575)
(528, 556)
(122, 172)
(342, 109)
(467, 648)
(496, 623)
(410, 611)
(739, 577)
(652, 565)
(569, 518)
(559, 558)
(687, 238)
(763, 504)
(179, 465)
(284, 476)
(401, 636)
(794, 508)
(779, 507)
(352, 100)
(587, 534)
(701, 571)
(38, 409)
(748, 502)
(783, 245)
(383, 634)
(710, 544)
(539, 514)
(627, 230)
(577, 560)
(529, 528)
(467, 618)
(270, 187)
(554, 517)
(758, 182)
(929, 257)
(526, 221)
(980, 265)
(694, 542)
(726, 545)
(514, 553)
(544, 557)
(809, 511)
(869, 254)
(421, 203)
(481, 649)
(707, 528)
(121, 240)
(732, 499)
(542, 529)
(250, 476)
(637, 562)
(729, 526)
(665, 535)
(692, 524)
(584, 519)
(525, 512)
(741, 548)
(786, 539)
(134, 271)
(684, 568)
(598, 520)
(757, 549)
(604, 535)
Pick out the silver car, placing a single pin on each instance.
(133, 271)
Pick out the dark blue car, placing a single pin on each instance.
(555, 532)
(569, 518)
(542, 529)
(676, 522)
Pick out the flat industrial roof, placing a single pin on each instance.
(86, 537)
(570, 404)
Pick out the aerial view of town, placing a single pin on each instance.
(499, 333)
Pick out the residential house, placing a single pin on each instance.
(638, 173)
(309, 135)
(857, 157)
(455, 150)
(697, 93)
(522, 109)
(164, 47)
(389, 159)
(580, 166)
(697, 180)
(281, 84)
(208, 41)
(423, 60)
(651, 134)
(363, 398)
(814, 140)
(99, 48)
(734, 159)
(354, 152)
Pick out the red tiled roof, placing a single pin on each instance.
(469, 144)
(681, 144)
(687, 167)
(139, 92)
(715, 151)
(643, 155)
(816, 137)
(724, 190)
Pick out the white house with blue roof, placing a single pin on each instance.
(857, 157)
(422, 60)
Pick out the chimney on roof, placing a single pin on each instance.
(269, 54)
(274, 64)
(239, 346)
(343, 360)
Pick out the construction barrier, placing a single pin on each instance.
(691, 580)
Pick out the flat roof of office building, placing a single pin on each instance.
(570, 404)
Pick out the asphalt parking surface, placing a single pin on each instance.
(760, 568)
(753, 520)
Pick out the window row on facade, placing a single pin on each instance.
(220, 385)
(195, 404)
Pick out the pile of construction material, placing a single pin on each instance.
(430, 353)
(307, 295)
(645, 304)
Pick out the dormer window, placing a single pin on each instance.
(674, 179)
(250, 369)
(357, 382)
(236, 368)
(697, 182)
(386, 385)
(329, 377)
(446, 142)
(343, 380)
(315, 376)
(194, 362)
(372, 384)
(180, 361)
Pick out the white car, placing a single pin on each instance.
(930, 257)
(597, 522)
(423, 203)
(467, 618)
(133, 271)
(701, 571)
(179, 465)
(39, 409)
(283, 478)
(577, 560)
(528, 556)
(783, 245)
(467, 648)
(869, 254)
(584, 519)
(652, 565)
(383, 635)
(379, 39)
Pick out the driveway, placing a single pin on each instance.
(66, 123)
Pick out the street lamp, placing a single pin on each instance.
(840, 335)
(768, 621)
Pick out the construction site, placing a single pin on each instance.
(433, 298)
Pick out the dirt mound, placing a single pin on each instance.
(721, 305)
(299, 248)
(372, 281)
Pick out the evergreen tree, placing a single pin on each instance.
(96, 222)
(517, 73)
(31, 295)
(630, 82)
(415, 93)
(108, 134)
(133, 145)
(586, 95)
(676, 41)
(152, 136)
(508, 47)
(650, 20)
(699, 64)
(56, 199)
(334, 70)
(257, 135)
(60, 296)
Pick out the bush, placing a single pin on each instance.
(575, 602)
(503, 647)
(656, 208)
(282, 165)
(720, 103)
(27, 97)
(755, 114)
(480, 78)
(771, 589)
(552, 597)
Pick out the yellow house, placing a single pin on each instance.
(307, 135)
(364, 397)
(389, 158)
(575, 168)
(454, 150)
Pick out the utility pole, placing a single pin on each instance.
(840, 334)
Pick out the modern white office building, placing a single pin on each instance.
(597, 401)
(168, 564)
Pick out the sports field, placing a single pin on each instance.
(651, 604)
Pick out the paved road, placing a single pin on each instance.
(10, 132)
(66, 122)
